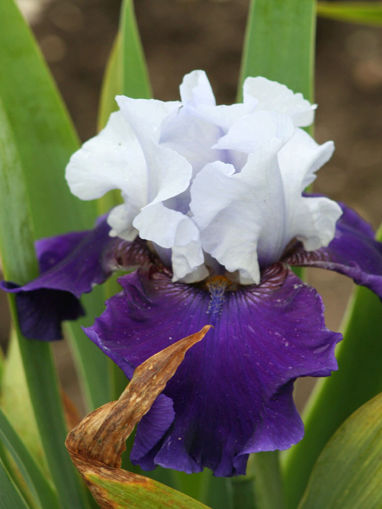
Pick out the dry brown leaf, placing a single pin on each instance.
(72, 416)
(96, 444)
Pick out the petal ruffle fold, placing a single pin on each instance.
(353, 252)
(274, 96)
(70, 265)
(232, 395)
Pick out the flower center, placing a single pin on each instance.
(217, 287)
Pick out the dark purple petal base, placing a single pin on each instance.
(232, 395)
(41, 312)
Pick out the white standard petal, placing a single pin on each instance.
(120, 220)
(230, 210)
(145, 116)
(191, 136)
(314, 221)
(224, 116)
(300, 158)
(165, 227)
(111, 160)
(274, 96)
(247, 219)
(188, 263)
(195, 90)
(171, 229)
(260, 130)
(168, 172)
(185, 130)
(311, 220)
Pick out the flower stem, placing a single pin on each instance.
(243, 493)
(264, 469)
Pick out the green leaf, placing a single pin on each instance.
(39, 487)
(358, 379)
(196, 485)
(91, 363)
(279, 43)
(348, 472)
(2, 366)
(16, 404)
(41, 127)
(218, 492)
(265, 469)
(148, 494)
(14, 474)
(10, 495)
(45, 397)
(45, 139)
(111, 85)
(19, 264)
(126, 71)
(135, 81)
(368, 13)
(243, 492)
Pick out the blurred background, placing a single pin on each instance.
(75, 37)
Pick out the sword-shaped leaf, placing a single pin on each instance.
(348, 472)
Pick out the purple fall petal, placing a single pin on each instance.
(50, 251)
(151, 429)
(353, 252)
(41, 312)
(232, 395)
(70, 265)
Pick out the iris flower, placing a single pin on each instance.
(214, 215)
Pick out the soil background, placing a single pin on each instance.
(180, 35)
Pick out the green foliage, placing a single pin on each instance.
(36, 138)
(368, 13)
(265, 469)
(10, 495)
(126, 71)
(111, 84)
(135, 81)
(279, 43)
(16, 404)
(41, 127)
(348, 472)
(2, 366)
(40, 489)
(147, 494)
(91, 363)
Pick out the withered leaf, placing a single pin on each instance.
(96, 444)
(71, 414)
